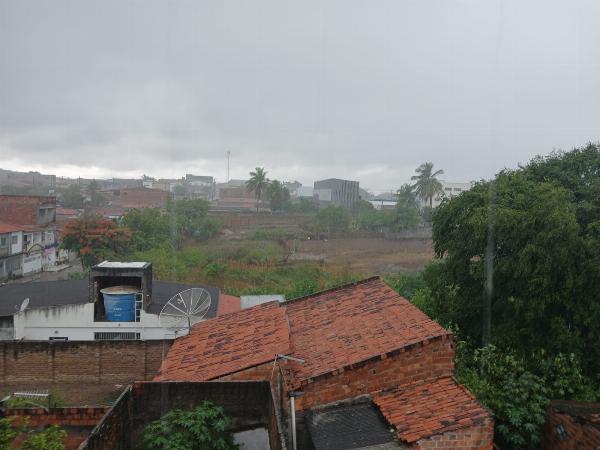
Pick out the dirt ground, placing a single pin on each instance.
(370, 256)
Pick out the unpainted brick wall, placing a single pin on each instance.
(69, 416)
(581, 434)
(471, 438)
(86, 362)
(419, 362)
(261, 372)
(22, 209)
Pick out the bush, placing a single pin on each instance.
(50, 439)
(203, 428)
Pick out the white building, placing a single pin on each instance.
(449, 190)
(77, 310)
(11, 251)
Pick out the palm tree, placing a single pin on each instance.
(257, 183)
(426, 184)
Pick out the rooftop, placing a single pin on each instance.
(8, 228)
(353, 323)
(329, 330)
(428, 408)
(228, 344)
(46, 294)
(350, 426)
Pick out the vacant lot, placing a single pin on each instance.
(371, 256)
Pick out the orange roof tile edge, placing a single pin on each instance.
(428, 408)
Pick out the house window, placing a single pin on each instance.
(3, 241)
(15, 240)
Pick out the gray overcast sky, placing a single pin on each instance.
(364, 90)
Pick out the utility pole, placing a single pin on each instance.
(228, 154)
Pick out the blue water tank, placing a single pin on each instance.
(119, 303)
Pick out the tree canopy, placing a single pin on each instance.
(258, 183)
(426, 184)
(204, 428)
(543, 223)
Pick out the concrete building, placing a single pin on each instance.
(11, 251)
(35, 217)
(81, 310)
(336, 192)
(449, 190)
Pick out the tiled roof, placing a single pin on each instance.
(8, 228)
(425, 409)
(228, 344)
(351, 324)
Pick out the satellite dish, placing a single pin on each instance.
(185, 309)
(24, 305)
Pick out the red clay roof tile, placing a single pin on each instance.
(350, 324)
(227, 344)
(8, 228)
(429, 408)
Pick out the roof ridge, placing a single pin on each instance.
(333, 289)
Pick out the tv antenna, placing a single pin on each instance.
(185, 309)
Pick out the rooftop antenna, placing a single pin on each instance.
(228, 155)
(185, 309)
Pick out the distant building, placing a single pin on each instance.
(336, 192)
(130, 198)
(11, 251)
(34, 217)
(449, 190)
(237, 198)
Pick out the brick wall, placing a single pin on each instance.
(72, 361)
(582, 430)
(472, 438)
(76, 421)
(261, 372)
(418, 362)
(22, 209)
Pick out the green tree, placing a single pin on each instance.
(279, 196)
(191, 218)
(539, 227)
(204, 428)
(426, 184)
(8, 433)
(72, 197)
(51, 438)
(96, 199)
(150, 228)
(406, 213)
(258, 183)
(334, 219)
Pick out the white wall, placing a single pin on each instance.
(32, 263)
(77, 323)
(18, 246)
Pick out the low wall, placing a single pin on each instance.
(418, 233)
(80, 361)
(78, 422)
(248, 403)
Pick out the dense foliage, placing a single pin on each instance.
(538, 227)
(204, 428)
(543, 223)
(50, 438)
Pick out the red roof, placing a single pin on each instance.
(428, 408)
(8, 228)
(353, 323)
(228, 344)
(228, 304)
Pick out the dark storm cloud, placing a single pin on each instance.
(355, 89)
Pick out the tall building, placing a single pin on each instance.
(336, 192)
